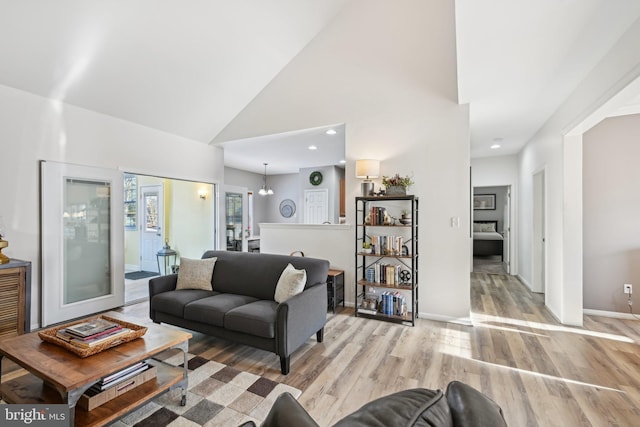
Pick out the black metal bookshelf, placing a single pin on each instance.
(386, 285)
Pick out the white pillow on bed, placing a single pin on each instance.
(484, 227)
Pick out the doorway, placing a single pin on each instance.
(164, 211)
(492, 229)
(539, 233)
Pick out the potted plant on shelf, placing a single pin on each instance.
(366, 247)
(396, 185)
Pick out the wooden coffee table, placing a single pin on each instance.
(59, 376)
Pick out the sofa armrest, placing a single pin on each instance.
(160, 284)
(287, 412)
(471, 408)
(299, 317)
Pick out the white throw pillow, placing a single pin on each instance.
(195, 273)
(290, 283)
(488, 227)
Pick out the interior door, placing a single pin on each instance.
(82, 241)
(151, 232)
(507, 232)
(539, 240)
(316, 206)
(235, 221)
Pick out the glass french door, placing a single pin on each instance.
(236, 219)
(82, 233)
(151, 233)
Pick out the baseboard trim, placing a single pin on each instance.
(614, 314)
(524, 282)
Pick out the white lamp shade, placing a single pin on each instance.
(367, 168)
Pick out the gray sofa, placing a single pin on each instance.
(241, 307)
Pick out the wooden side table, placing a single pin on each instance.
(15, 298)
(335, 288)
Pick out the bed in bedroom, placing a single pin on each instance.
(486, 239)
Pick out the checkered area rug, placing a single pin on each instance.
(217, 395)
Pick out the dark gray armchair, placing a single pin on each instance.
(460, 406)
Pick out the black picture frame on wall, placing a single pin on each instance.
(483, 202)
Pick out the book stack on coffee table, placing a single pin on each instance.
(94, 332)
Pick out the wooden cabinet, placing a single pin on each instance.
(15, 298)
(387, 268)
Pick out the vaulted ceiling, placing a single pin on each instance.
(189, 68)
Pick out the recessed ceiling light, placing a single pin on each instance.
(343, 161)
(313, 147)
(495, 146)
(331, 132)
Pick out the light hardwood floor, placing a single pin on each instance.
(541, 372)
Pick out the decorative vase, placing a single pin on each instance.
(396, 190)
(3, 258)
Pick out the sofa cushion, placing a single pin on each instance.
(195, 273)
(257, 274)
(257, 318)
(470, 408)
(290, 283)
(173, 302)
(211, 310)
(415, 407)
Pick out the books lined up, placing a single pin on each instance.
(392, 303)
(117, 378)
(89, 334)
(387, 245)
(384, 273)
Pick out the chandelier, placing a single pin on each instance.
(265, 190)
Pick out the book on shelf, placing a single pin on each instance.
(117, 378)
(386, 245)
(92, 327)
(387, 274)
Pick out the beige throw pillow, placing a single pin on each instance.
(195, 273)
(291, 283)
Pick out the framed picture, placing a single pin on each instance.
(484, 202)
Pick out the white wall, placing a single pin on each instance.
(494, 171)
(33, 128)
(388, 71)
(559, 154)
(315, 241)
(611, 234)
(331, 176)
(191, 220)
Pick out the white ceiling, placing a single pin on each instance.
(188, 68)
(184, 67)
(288, 152)
(519, 60)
